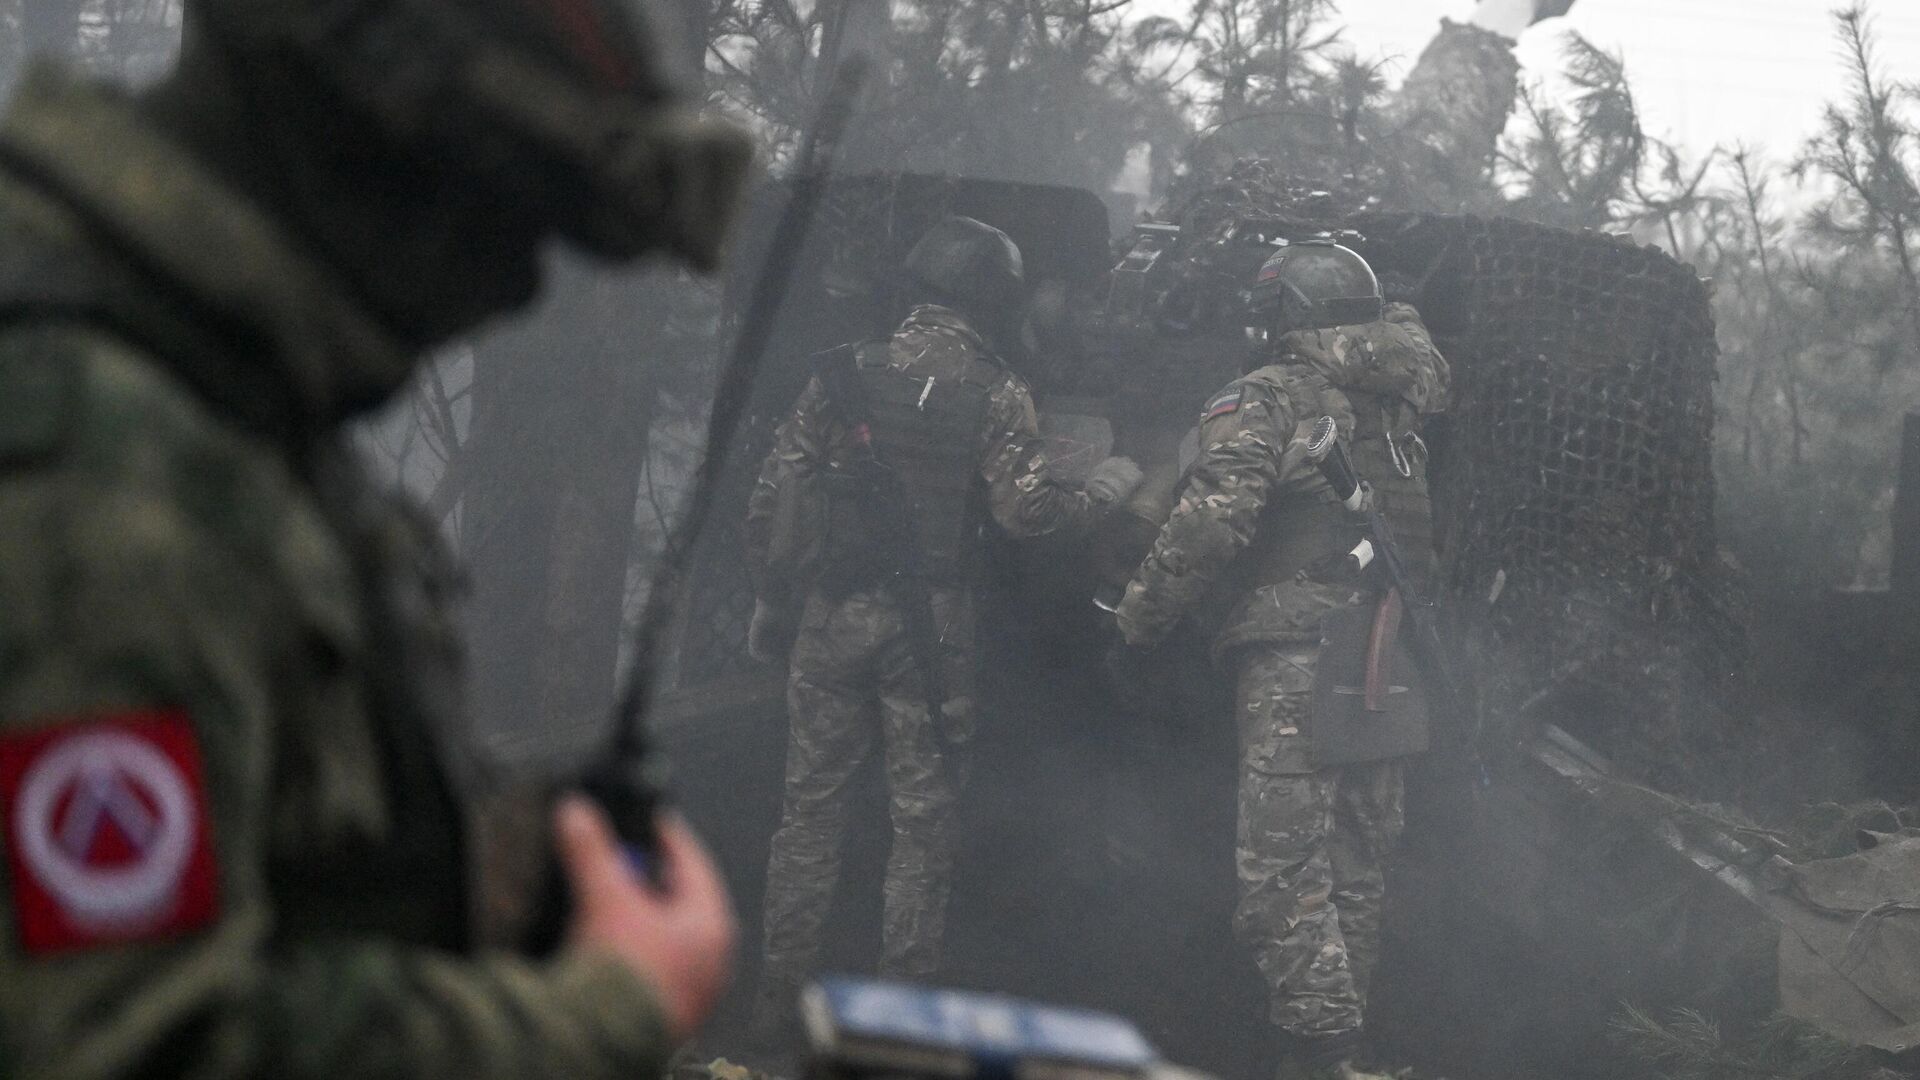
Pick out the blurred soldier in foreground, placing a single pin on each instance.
(865, 526)
(1256, 517)
(236, 808)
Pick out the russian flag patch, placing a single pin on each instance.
(1227, 401)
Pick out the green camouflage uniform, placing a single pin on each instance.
(1311, 842)
(851, 655)
(193, 565)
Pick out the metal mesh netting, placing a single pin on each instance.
(1576, 490)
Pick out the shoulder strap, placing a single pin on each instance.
(40, 391)
(986, 371)
(58, 286)
(95, 283)
(91, 282)
(839, 374)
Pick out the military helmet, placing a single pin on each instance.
(566, 106)
(970, 262)
(1316, 285)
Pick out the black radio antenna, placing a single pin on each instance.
(813, 168)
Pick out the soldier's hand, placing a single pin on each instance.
(679, 939)
(1113, 480)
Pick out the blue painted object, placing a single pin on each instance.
(994, 1032)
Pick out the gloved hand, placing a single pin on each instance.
(766, 633)
(1114, 480)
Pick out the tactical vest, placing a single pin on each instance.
(1302, 532)
(927, 431)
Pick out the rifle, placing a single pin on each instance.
(887, 508)
(625, 779)
(1423, 636)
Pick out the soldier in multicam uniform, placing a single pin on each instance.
(960, 430)
(236, 819)
(1312, 840)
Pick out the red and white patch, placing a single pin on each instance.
(107, 835)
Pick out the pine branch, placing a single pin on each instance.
(1690, 1045)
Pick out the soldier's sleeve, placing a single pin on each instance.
(1022, 494)
(143, 637)
(1244, 440)
(1309, 397)
(798, 447)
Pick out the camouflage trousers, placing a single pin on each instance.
(854, 681)
(1310, 853)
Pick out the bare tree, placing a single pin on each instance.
(1057, 91)
(1261, 54)
(1869, 147)
(1576, 164)
(1764, 232)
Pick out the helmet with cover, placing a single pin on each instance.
(1315, 285)
(969, 264)
(563, 105)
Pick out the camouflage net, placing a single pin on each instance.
(1575, 490)
(1206, 206)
